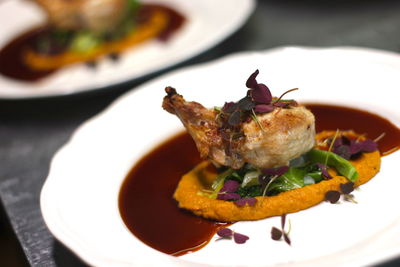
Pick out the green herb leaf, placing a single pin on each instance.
(344, 167)
(292, 179)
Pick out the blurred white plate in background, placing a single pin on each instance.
(208, 22)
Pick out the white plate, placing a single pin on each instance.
(79, 198)
(208, 23)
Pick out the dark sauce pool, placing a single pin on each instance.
(11, 56)
(151, 214)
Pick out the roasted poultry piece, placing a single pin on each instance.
(259, 129)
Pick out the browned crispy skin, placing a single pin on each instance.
(201, 124)
(286, 133)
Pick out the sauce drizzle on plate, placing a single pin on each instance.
(152, 215)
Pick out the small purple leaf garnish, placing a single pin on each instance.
(251, 81)
(229, 107)
(347, 188)
(228, 196)
(355, 147)
(281, 104)
(343, 151)
(276, 234)
(283, 221)
(263, 108)
(324, 171)
(286, 238)
(235, 118)
(240, 238)
(225, 232)
(369, 146)
(348, 149)
(230, 186)
(243, 201)
(261, 94)
(246, 104)
(278, 171)
(332, 196)
(228, 233)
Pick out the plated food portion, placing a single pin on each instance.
(270, 160)
(123, 210)
(259, 157)
(84, 32)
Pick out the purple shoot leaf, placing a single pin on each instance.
(225, 232)
(286, 238)
(279, 171)
(228, 196)
(355, 147)
(246, 104)
(261, 94)
(342, 150)
(251, 201)
(235, 118)
(263, 108)
(229, 107)
(276, 234)
(347, 188)
(324, 171)
(332, 196)
(230, 186)
(283, 221)
(240, 238)
(251, 81)
(369, 146)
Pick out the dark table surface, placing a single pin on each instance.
(31, 131)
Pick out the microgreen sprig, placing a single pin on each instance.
(226, 233)
(333, 196)
(277, 234)
(258, 100)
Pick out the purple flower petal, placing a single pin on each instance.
(230, 186)
(225, 232)
(324, 171)
(276, 171)
(228, 196)
(249, 201)
(261, 94)
(263, 108)
(239, 238)
(251, 81)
